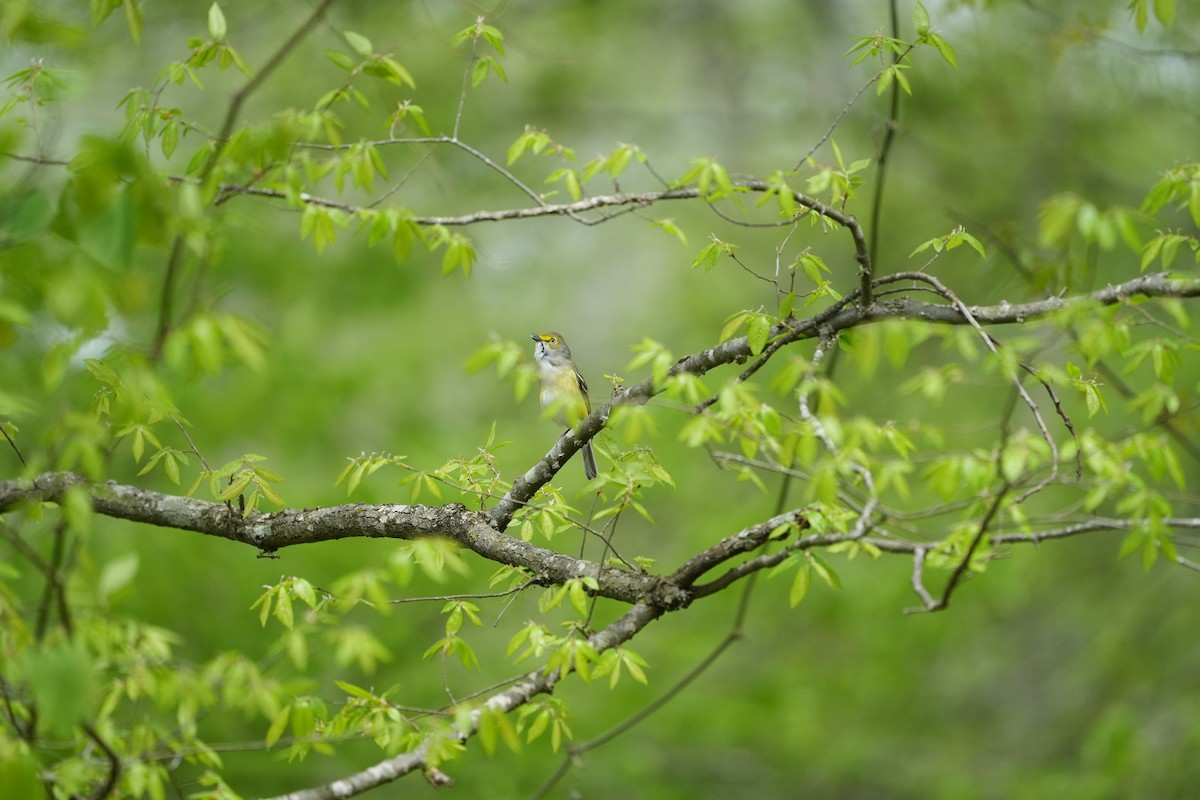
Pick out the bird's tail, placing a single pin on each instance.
(589, 461)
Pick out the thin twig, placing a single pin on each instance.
(994, 347)
(964, 565)
(863, 523)
(166, 299)
(175, 259)
(13, 444)
(53, 592)
(466, 78)
(114, 764)
(252, 85)
(179, 424)
(918, 583)
(767, 561)
(841, 115)
(885, 147)
(480, 596)
(574, 751)
(1089, 526)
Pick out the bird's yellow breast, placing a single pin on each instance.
(560, 392)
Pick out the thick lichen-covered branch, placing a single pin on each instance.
(290, 527)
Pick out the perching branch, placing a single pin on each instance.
(842, 316)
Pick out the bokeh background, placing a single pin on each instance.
(1061, 672)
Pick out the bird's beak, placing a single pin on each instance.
(535, 337)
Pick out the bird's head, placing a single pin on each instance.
(550, 346)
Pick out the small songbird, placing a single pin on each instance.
(563, 389)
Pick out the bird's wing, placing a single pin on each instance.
(584, 390)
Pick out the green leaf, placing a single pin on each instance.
(1057, 218)
(170, 139)
(825, 571)
(787, 304)
(20, 774)
(479, 70)
(711, 178)
(574, 185)
(837, 155)
(669, 226)
(354, 691)
(578, 596)
(26, 215)
(800, 584)
(944, 48)
(216, 22)
(1141, 14)
(813, 266)
(494, 725)
(278, 724)
(359, 43)
(493, 36)
(116, 575)
(101, 9)
(341, 59)
(400, 76)
(708, 256)
(1095, 400)
(1164, 12)
(758, 332)
(920, 19)
(974, 243)
(283, 610)
(110, 233)
(102, 372)
(133, 19)
(734, 322)
(460, 254)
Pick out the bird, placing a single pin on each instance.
(563, 389)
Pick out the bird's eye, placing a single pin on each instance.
(553, 340)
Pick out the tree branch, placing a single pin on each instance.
(743, 541)
(844, 315)
(619, 631)
(277, 530)
(239, 97)
(174, 261)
